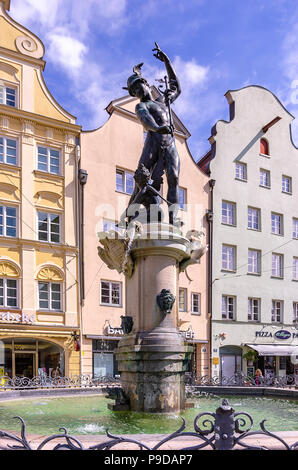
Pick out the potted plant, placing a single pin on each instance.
(251, 356)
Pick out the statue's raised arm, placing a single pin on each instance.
(174, 84)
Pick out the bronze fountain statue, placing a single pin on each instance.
(159, 154)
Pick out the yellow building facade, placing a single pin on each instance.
(39, 256)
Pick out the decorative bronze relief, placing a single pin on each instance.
(165, 300)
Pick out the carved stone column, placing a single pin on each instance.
(152, 358)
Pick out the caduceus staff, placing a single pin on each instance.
(166, 92)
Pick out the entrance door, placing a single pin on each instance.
(228, 366)
(25, 364)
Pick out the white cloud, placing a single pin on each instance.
(68, 51)
(288, 87)
(192, 77)
(190, 73)
(30, 12)
(65, 27)
(290, 48)
(73, 14)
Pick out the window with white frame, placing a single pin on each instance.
(253, 309)
(228, 212)
(8, 293)
(110, 293)
(277, 311)
(8, 95)
(277, 265)
(48, 227)
(295, 268)
(196, 303)
(228, 307)
(8, 150)
(182, 198)
(276, 223)
(182, 299)
(264, 178)
(228, 257)
(286, 184)
(295, 227)
(48, 160)
(8, 221)
(295, 312)
(241, 171)
(254, 261)
(49, 296)
(253, 218)
(124, 181)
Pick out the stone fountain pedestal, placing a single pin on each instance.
(153, 357)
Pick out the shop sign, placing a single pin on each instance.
(114, 331)
(10, 317)
(282, 334)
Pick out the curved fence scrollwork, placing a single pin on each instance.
(76, 381)
(242, 380)
(222, 430)
(43, 381)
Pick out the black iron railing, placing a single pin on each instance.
(83, 381)
(222, 430)
(242, 380)
(44, 381)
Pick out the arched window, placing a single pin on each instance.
(9, 283)
(50, 280)
(264, 147)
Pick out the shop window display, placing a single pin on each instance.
(29, 357)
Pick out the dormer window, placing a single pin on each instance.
(264, 147)
(8, 96)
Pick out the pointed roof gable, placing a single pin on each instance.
(18, 40)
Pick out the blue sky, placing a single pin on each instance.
(216, 45)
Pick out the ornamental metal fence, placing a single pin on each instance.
(85, 381)
(242, 380)
(222, 430)
(44, 382)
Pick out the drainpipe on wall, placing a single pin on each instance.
(82, 177)
(209, 216)
(78, 157)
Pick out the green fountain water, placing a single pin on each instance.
(89, 415)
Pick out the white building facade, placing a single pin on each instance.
(253, 166)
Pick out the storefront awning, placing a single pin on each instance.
(274, 349)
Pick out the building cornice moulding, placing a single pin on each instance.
(21, 58)
(21, 115)
(20, 242)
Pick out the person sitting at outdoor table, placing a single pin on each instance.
(259, 377)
